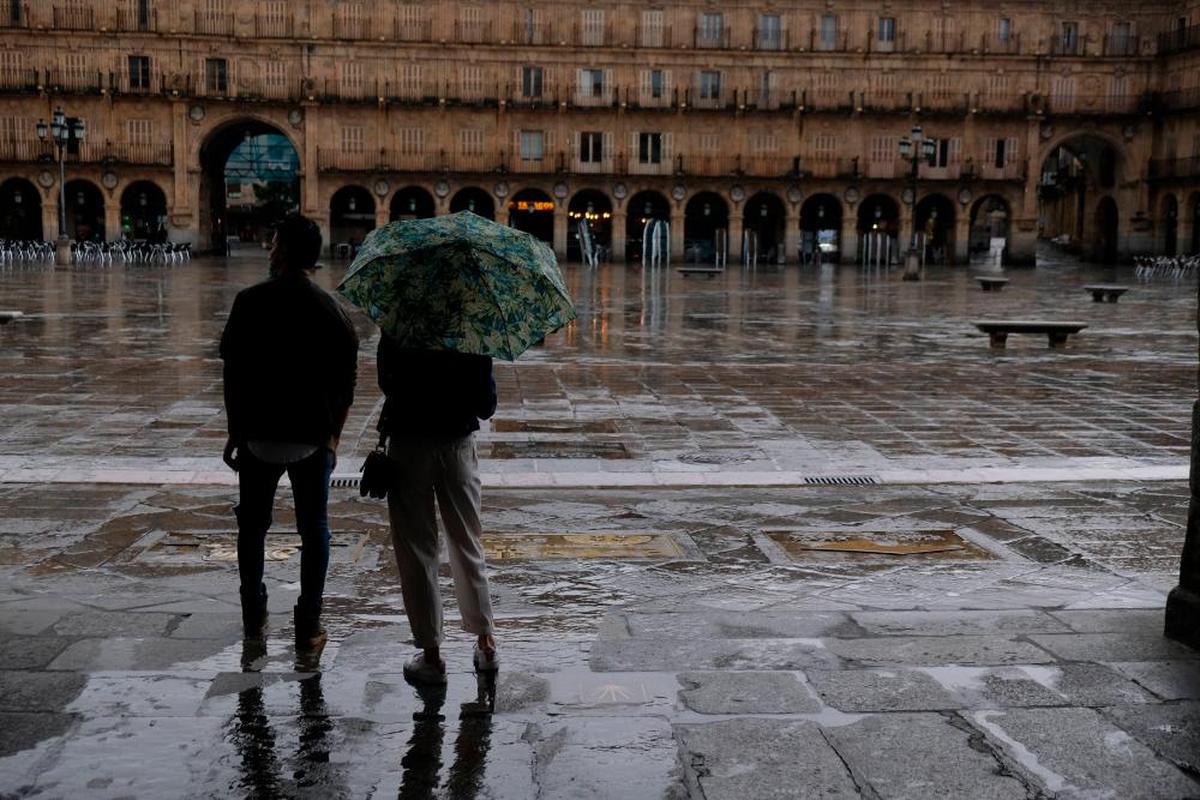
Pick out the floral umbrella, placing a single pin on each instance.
(459, 282)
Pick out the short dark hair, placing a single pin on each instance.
(301, 241)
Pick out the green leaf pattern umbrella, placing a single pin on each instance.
(459, 282)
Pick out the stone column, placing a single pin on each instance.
(962, 237)
(736, 226)
(561, 229)
(50, 214)
(112, 220)
(383, 213)
(619, 223)
(1183, 604)
(848, 237)
(677, 235)
(791, 234)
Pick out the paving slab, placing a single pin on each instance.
(39, 691)
(768, 624)
(891, 754)
(746, 693)
(949, 623)
(654, 655)
(30, 652)
(764, 759)
(930, 651)
(1127, 646)
(1170, 680)
(1075, 753)
(595, 758)
(1172, 730)
(866, 690)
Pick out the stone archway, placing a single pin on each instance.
(144, 212)
(85, 211)
(475, 200)
(1076, 170)
(1107, 219)
(590, 207)
(766, 218)
(642, 208)
(411, 202)
(1193, 213)
(20, 211)
(934, 222)
(351, 218)
(705, 228)
(1168, 223)
(991, 221)
(250, 179)
(878, 229)
(821, 229)
(532, 211)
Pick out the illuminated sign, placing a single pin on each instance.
(531, 205)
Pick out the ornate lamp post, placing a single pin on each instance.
(60, 131)
(914, 148)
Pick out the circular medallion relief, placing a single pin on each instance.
(794, 195)
(679, 192)
(561, 190)
(500, 189)
(964, 196)
(441, 188)
(46, 179)
(109, 180)
(196, 113)
(382, 187)
(295, 116)
(850, 195)
(619, 191)
(737, 194)
(907, 196)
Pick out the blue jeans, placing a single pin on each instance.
(257, 482)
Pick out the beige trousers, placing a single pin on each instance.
(445, 470)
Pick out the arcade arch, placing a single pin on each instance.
(351, 217)
(592, 208)
(475, 200)
(641, 209)
(878, 229)
(1168, 216)
(144, 212)
(20, 210)
(1076, 171)
(532, 211)
(85, 211)
(411, 202)
(1107, 220)
(934, 218)
(766, 218)
(705, 228)
(821, 229)
(991, 218)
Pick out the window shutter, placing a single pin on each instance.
(667, 149)
(667, 84)
(575, 137)
(989, 150)
(516, 150)
(633, 147)
(955, 150)
(645, 75)
(548, 144)
(606, 149)
(1010, 150)
(608, 82)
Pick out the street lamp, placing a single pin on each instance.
(914, 148)
(60, 131)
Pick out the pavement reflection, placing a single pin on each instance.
(422, 760)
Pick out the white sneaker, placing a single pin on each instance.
(486, 660)
(418, 670)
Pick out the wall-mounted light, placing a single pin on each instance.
(142, 201)
(471, 205)
(79, 198)
(18, 198)
(707, 210)
(762, 211)
(412, 204)
(647, 209)
(353, 204)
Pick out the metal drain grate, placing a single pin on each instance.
(345, 481)
(841, 480)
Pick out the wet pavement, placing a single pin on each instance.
(773, 534)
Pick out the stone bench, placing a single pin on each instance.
(998, 330)
(709, 271)
(991, 284)
(8, 316)
(1106, 291)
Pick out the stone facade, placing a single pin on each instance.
(775, 117)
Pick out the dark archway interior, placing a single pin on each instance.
(879, 213)
(990, 219)
(1170, 223)
(821, 228)
(85, 211)
(351, 217)
(144, 212)
(412, 202)
(593, 209)
(532, 211)
(1105, 249)
(766, 217)
(1078, 169)
(475, 200)
(1194, 209)
(20, 211)
(641, 208)
(249, 181)
(705, 223)
(934, 217)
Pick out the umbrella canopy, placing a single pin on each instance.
(459, 282)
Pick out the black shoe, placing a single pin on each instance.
(310, 633)
(254, 613)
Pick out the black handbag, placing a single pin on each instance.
(378, 472)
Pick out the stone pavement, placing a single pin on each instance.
(686, 610)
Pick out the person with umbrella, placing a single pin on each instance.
(449, 294)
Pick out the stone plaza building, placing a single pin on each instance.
(771, 125)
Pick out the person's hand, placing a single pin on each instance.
(230, 456)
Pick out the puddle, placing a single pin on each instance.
(584, 546)
(196, 548)
(940, 545)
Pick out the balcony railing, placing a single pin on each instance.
(125, 83)
(354, 92)
(147, 154)
(1066, 45)
(549, 163)
(759, 166)
(830, 167)
(473, 162)
(836, 42)
(74, 18)
(398, 161)
(655, 36)
(708, 39)
(605, 166)
(591, 98)
(473, 32)
(87, 82)
(214, 24)
(23, 150)
(1006, 103)
(17, 17)
(330, 160)
(988, 171)
(531, 34)
(413, 30)
(994, 44)
(1170, 168)
(20, 80)
(770, 39)
(130, 21)
(1179, 39)
(1180, 100)
(1094, 104)
(883, 101)
(271, 26)
(592, 36)
(264, 88)
(1121, 46)
(664, 166)
(350, 28)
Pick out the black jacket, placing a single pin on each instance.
(291, 362)
(433, 393)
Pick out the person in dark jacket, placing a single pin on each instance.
(291, 362)
(434, 401)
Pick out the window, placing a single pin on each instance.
(711, 31)
(139, 131)
(766, 86)
(532, 145)
(824, 147)
(1119, 39)
(470, 141)
(657, 84)
(1004, 30)
(1069, 41)
(216, 75)
(883, 149)
(651, 32)
(591, 82)
(14, 11)
(141, 13)
(829, 31)
(591, 147)
(710, 143)
(410, 79)
(412, 141)
(770, 32)
(1003, 151)
(531, 26)
(471, 82)
(650, 148)
(351, 77)
(887, 30)
(139, 73)
(352, 139)
(763, 143)
(275, 74)
(531, 81)
(710, 85)
(76, 67)
(410, 19)
(593, 27)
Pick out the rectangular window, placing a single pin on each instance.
(532, 145)
(410, 79)
(1004, 30)
(531, 29)
(650, 148)
(593, 27)
(711, 30)
(824, 147)
(657, 84)
(471, 82)
(216, 75)
(139, 131)
(531, 81)
(76, 68)
(591, 82)
(139, 73)
(591, 147)
(1119, 39)
(770, 32)
(829, 31)
(999, 153)
(887, 30)
(353, 139)
(710, 85)
(412, 141)
(142, 14)
(410, 22)
(651, 32)
(275, 74)
(1069, 40)
(709, 143)
(351, 77)
(763, 143)
(14, 11)
(470, 141)
(883, 149)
